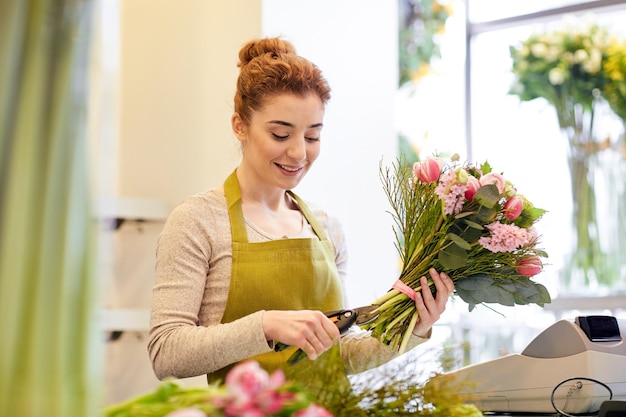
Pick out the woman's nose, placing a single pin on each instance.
(297, 149)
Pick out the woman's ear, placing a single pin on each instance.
(239, 126)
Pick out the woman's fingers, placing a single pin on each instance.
(430, 307)
(309, 330)
(443, 282)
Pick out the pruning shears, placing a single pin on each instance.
(343, 319)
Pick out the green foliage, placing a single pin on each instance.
(482, 288)
(421, 22)
(614, 67)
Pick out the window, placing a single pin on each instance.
(521, 138)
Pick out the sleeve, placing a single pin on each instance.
(178, 345)
(361, 352)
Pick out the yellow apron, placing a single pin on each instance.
(284, 274)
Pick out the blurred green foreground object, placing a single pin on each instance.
(49, 351)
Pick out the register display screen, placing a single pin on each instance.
(600, 328)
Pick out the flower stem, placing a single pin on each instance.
(407, 334)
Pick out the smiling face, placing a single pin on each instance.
(282, 140)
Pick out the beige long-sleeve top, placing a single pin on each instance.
(193, 269)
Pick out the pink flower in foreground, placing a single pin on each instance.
(529, 266)
(495, 179)
(471, 187)
(272, 401)
(246, 380)
(313, 410)
(513, 207)
(428, 170)
(506, 237)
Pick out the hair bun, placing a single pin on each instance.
(260, 47)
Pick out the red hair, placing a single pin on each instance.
(270, 66)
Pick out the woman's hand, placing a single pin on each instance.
(429, 307)
(309, 330)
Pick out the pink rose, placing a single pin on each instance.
(428, 170)
(513, 207)
(529, 266)
(495, 179)
(471, 187)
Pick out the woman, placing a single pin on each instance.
(249, 264)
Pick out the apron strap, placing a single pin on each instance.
(317, 228)
(233, 201)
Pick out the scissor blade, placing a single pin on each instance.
(366, 314)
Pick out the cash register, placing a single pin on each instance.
(572, 367)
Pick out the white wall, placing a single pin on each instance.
(354, 42)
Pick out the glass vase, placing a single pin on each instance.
(596, 260)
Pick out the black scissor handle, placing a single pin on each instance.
(343, 319)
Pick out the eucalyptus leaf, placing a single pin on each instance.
(452, 257)
(468, 233)
(495, 294)
(474, 225)
(463, 214)
(474, 282)
(545, 294)
(459, 241)
(487, 195)
(486, 214)
(466, 295)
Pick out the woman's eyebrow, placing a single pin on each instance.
(283, 123)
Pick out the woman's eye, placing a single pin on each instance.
(312, 139)
(280, 137)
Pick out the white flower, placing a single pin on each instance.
(553, 53)
(594, 64)
(556, 76)
(539, 50)
(580, 56)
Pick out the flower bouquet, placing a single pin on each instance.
(578, 69)
(563, 66)
(468, 222)
(248, 391)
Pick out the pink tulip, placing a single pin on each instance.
(428, 170)
(513, 207)
(471, 187)
(529, 266)
(495, 179)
